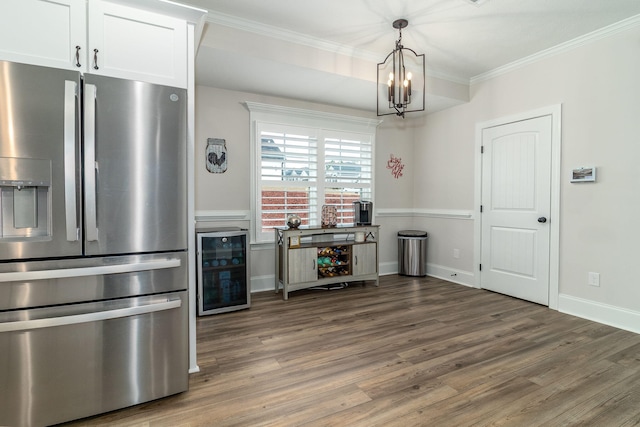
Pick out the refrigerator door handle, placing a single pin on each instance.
(23, 325)
(71, 210)
(23, 276)
(90, 162)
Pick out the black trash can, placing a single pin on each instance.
(412, 253)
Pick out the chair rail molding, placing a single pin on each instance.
(425, 213)
(223, 215)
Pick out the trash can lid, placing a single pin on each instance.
(412, 233)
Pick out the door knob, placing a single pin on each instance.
(542, 219)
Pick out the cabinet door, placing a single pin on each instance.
(135, 44)
(303, 265)
(365, 259)
(43, 32)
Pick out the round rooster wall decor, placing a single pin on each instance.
(216, 155)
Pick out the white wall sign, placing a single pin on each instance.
(584, 174)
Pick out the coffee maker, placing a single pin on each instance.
(363, 212)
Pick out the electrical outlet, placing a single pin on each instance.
(594, 279)
(456, 253)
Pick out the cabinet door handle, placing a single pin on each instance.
(95, 59)
(356, 259)
(78, 56)
(314, 264)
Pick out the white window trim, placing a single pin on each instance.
(288, 116)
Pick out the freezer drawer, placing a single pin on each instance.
(43, 283)
(68, 362)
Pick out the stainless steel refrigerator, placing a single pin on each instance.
(93, 244)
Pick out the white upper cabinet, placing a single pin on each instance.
(138, 45)
(40, 32)
(97, 37)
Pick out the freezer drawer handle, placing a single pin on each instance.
(23, 325)
(88, 271)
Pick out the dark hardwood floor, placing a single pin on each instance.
(411, 352)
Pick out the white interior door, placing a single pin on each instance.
(516, 204)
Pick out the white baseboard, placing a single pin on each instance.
(460, 277)
(387, 268)
(263, 283)
(617, 317)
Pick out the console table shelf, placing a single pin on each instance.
(324, 256)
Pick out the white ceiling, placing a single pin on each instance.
(280, 47)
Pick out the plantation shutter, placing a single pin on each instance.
(348, 161)
(288, 175)
(304, 159)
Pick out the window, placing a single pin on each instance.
(304, 160)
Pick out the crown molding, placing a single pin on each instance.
(317, 43)
(588, 38)
(289, 36)
(265, 30)
(187, 12)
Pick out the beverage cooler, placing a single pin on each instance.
(223, 270)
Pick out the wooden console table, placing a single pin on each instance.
(324, 256)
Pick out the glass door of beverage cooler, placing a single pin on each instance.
(223, 271)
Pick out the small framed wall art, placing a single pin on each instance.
(584, 174)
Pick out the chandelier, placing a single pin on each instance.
(401, 79)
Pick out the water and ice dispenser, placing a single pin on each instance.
(25, 206)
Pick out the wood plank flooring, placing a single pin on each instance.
(411, 352)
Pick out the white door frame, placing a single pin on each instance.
(555, 111)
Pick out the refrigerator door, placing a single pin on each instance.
(134, 167)
(40, 195)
